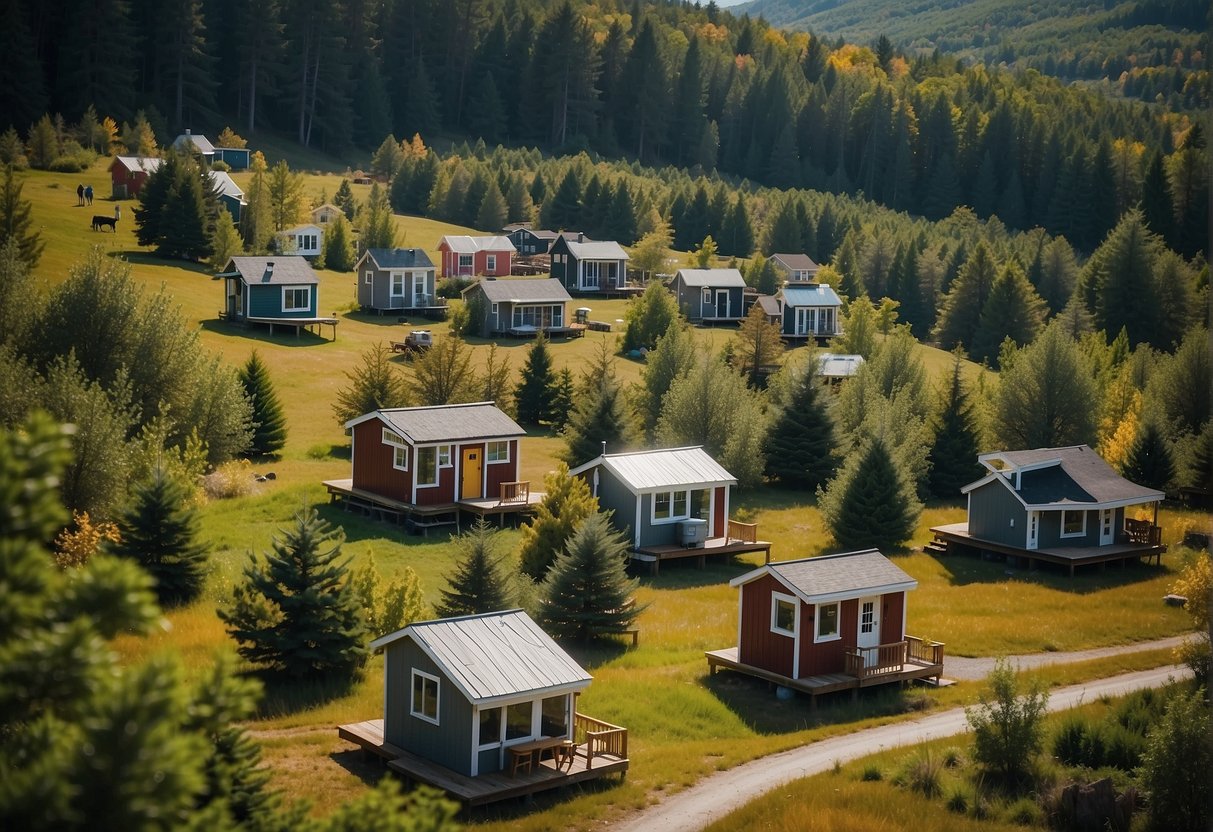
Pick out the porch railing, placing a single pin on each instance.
(515, 492)
(924, 651)
(1143, 532)
(599, 738)
(743, 532)
(866, 662)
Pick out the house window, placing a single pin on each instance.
(427, 466)
(490, 727)
(490, 262)
(669, 506)
(707, 297)
(554, 717)
(539, 317)
(783, 614)
(397, 285)
(296, 300)
(494, 312)
(590, 275)
(444, 456)
(497, 452)
(1073, 523)
(390, 437)
(465, 262)
(425, 696)
(400, 458)
(368, 278)
(518, 720)
(827, 622)
(557, 258)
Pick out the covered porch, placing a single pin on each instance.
(740, 538)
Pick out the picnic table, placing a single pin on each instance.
(527, 754)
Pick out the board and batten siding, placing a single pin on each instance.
(449, 743)
(758, 646)
(828, 656)
(992, 508)
(498, 472)
(266, 302)
(892, 614)
(372, 466)
(1050, 530)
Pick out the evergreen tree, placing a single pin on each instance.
(1156, 206)
(563, 210)
(566, 502)
(444, 374)
(1150, 462)
(533, 395)
(1013, 310)
(284, 189)
(858, 329)
(177, 205)
(22, 96)
(493, 210)
(256, 218)
(486, 112)
(295, 613)
(269, 422)
(1046, 398)
(378, 223)
(1200, 474)
(520, 208)
(374, 384)
(388, 159)
(338, 247)
(225, 241)
(587, 593)
(801, 448)
(737, 233)
(757, 345)
(599, 418)
(478, 583)
(344, 199)
(671, 357)
(960, 317)
(784, 233)
(15, 221)
(564, 400)
(620, 220)
(648, 317)
(871, 503)
(159, 531)
(956, 442)
(1119, 282)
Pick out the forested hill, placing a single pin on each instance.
(1157, 43)
(663, 83)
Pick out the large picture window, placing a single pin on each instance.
(669, 506)
(539, 317)
(827, 622)
(427, 465)
(424, 704)
(518, 720)
(1073, 523)
(296, 299)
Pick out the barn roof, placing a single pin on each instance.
(830, 578)
(711, 278)
(446, 423)
(494, 655)
(665, 468)
(281, 269)
(147, 164)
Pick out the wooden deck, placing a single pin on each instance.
(486, 788)
(902, 662)
(297, 324)
(740, 539)
(423, 517)
(955, 536)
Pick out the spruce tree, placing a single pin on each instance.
(344, 199)
(801, 449)
(492, 212)
(673, 356)
(563, 210)
(269, 423)
(1046, 398)
(648, 317)
(338, 246)
(1200, 474)
(159, 531)
(871, 503)
(564, 399)
(375, 383)
(566, 502)
(295, 613)
(953, 456)
(1150, 462)
(533, 395)
(587, 593)
(1119, 281)
(599, 418)
(960, 317)
(15, 221)
(1013, 310)
(478, 583)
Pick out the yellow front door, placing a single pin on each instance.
(469, 488)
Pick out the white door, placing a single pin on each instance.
(1033, 529)
(419, 298)
(1107, 532)
(868, 638)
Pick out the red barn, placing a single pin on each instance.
(464, 256)
(128, 173)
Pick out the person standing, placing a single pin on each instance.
(88, 194)
(117, 213)
(80, 194)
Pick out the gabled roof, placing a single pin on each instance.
(795, 262)
(398, 258)
(830, 365)
(711, 278)
(643, 471)
(147, 164)
(605, 250)
(281, 269)
(494, 655)
(225, 185)
(1059, 477)
(330, 206)
(522, 290)
(464, 244)
(809, 294)
(445, 423)
(835, 577)
(769, 305)
(307, 226)
(201, 143)
(569, 236)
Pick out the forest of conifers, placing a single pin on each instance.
(664, 83)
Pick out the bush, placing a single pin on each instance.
(219, 164)
(231, 479)
(452, 288)
(872, 773)
(952, 757)
(1007, 727)
(921, 773)
(1026, 812)
(74, 162)
(958, 801)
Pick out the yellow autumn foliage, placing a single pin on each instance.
(75, 548)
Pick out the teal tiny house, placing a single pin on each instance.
(273, 290)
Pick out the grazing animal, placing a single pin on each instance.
(100, 221)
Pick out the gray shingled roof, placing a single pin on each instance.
(1081, 477)
(495, 655)
(811, 294)
(449, 423)
(667, 468)
(711, 278)
(281, 269)
(523, 290)
(605, 250)
(769, 305)
(832, 577)
(795, 262)
(225, 185)
(400, 258)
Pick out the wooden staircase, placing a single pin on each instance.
(938, 546)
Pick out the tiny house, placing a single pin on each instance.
(710, 295)
(128, 173)
(463, 256)
(585, 266)
(277, 287)
(396, 279)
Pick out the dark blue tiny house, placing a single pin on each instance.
(710, 295)
(584, 266)
(809, 310)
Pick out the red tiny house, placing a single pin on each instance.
(463, 256)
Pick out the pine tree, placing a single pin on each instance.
(493, 211)
(956, 443)
(444, 374)
(225, 241)
(269, 422)
(648, 317)
(1013, 310)
(801, 448)
(533, 395)
(1119, 282)
(338, 247)
(564, 400)
(673, 356)
(520, 208)
(960, 316)
(15, 221)
(757, 345)
(587, 593)
(374, 384)
(871, 503)
(478, 583)
(599, 418)
(284, 189)
(566, 502)
(1150, 462)
(378, 224)
(256, 218)
(1046, 398)
(1201, 468)
(344, 199)
(1156, 206)
(737, 233)
(296, 613)
(563, 210)
(620, 220)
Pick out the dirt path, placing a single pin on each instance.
(956, 667)
(714, 797)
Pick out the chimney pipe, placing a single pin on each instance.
(604, 447)
(580, 237)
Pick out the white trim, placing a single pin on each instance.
(488, 461)
(437, 466)
(776, 599)
(1082, 533)
(876, 619)
(397, 451)
(369, 277)
(306, 289)
(490, 262)
(1107, 526)
(837, 634)
(639, 500)
(673, 518)
(1000, 477)
(436, 718)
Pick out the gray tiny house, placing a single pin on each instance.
(397, 279)
(710, 295)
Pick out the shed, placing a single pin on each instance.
(521, 306)
(710, 295)
(397, 279)
(281, 287)
(128, 173)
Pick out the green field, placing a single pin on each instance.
(682, 723)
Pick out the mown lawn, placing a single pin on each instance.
(682, 723)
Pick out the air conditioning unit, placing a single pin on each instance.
(693, 533)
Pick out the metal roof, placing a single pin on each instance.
(711, 278)
(830, 365)
(605, 250)
(522, 290)
(494, 655)
(202, 143)
(1073, 475)
(811, 294)
(446, 423)
(225, 185)
(796, 262)
(464, 244)
(400, 258)
(147, 164)
(834, 577)
(281, 269)
(667, 468)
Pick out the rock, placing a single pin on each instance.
(784, 694)
(1096, 806)
(270, 475)
(1174, 600)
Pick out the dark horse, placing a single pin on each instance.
(100, 222)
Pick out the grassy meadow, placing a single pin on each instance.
(682, 723)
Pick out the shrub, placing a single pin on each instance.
(231, 479)
(952, 757)
(958, 801)
(1026, 812)
(452, 288)
(921, 773)
(320, 451)
(1176, 763)
(872, 773)
(219, 164)
(1007, 727)
(76, 548)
